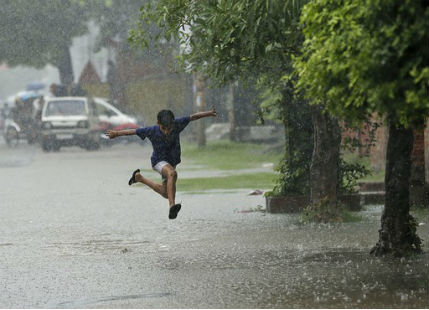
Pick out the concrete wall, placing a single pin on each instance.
(97, 90)
(151, 95)
(147, 97)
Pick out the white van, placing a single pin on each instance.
(70, 121)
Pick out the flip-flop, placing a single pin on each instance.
(133, 180)
(174, 210)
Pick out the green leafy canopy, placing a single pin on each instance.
(226, 39)
(365, 56)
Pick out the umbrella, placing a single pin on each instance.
(24, 95)
(35, 86)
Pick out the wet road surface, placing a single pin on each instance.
(73, 234)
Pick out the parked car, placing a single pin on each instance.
(70, 121)
(110, 114)
(111, 117)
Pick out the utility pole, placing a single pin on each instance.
(199, 87)
(231, 114)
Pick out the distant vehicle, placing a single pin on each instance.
(21, 121)
(70, 121)
(12, 132)
(112, 118)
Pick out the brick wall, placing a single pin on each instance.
(426, 151)
(418, 154)
(378, 150)
(377, 153)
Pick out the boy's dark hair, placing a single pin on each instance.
(165, 118)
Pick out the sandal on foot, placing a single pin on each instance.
(133, 178)
(174, 210)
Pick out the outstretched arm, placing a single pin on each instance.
(116, 133)
(199, 115)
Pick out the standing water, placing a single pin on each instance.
(73, 234)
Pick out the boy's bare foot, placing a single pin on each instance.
(174, 209)
(133, 177)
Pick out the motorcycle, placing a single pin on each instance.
(13, 132)
(22, 121)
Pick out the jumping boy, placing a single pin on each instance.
(166, 152)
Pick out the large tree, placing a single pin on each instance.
(36, 33)
(232, 39)
(366, 56)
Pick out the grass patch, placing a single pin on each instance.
(251, 181)
(351, 217)
(375, 176)
(421, 214)
(207, 192)
(226, 155)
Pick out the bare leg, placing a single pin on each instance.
(159, 188)
(170, 173)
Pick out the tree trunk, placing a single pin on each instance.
(397, 235)
(298, 148)
(325, 160)
(65, 67)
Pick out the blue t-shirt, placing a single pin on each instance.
(165, 148)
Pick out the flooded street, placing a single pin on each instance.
(73, 234)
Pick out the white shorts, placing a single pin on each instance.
(158, 167)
